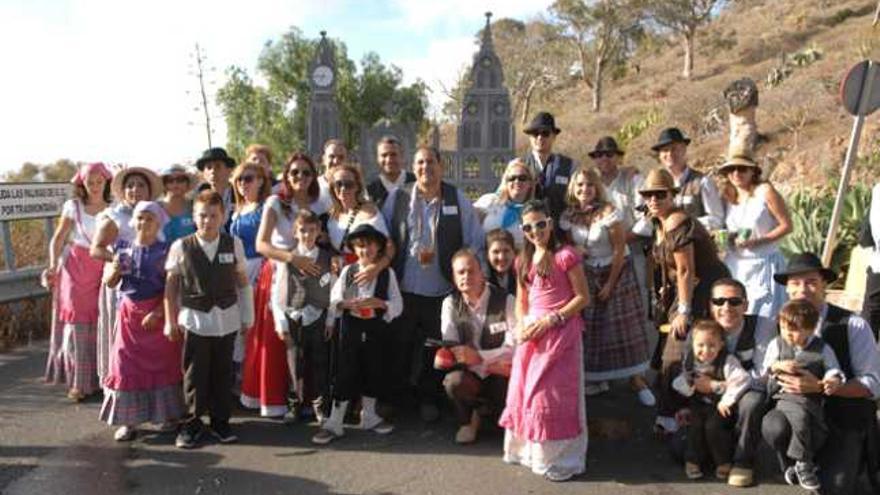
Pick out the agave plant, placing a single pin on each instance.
(810, 213)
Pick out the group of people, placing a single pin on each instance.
(321, 295)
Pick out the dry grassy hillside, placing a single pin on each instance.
(806, 129)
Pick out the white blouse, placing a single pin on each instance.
(84, 225)
(596, 238)
(337, 230)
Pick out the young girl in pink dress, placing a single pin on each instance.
(545, 417)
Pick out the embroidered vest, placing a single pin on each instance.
(690, 197)
(314, 294)
(206, 283)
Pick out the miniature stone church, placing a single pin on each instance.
(485, 139)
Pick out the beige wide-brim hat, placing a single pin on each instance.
(738, 161)
(156, 187)
(659, 179)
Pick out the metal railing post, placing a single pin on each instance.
(8, 253)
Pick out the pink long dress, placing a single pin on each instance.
(545, 416)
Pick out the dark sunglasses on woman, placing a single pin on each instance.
(246, 179)
(519, 178)
(654, 194)
(300, 173)
(344, 184)
(539, 225)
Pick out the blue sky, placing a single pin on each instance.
(108, 79)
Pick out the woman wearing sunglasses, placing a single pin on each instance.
(757, 219)
(545, 416)
(348, 209)
(178, 182)
(615, 333)
(687, 265)
(502, 209)
(265, 381)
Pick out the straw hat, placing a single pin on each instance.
(176, 168)
(156, 187)
(659, 179)
(739, 161)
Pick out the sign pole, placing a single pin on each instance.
(851, 154)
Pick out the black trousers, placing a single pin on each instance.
(671, 353)
(467, 391)
(207, 377)
(709, 436)
(840, 459)
(360, 366)
(871, 304)
(412, 362)
(750, 410)
(308, 361)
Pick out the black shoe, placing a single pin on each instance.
(807, 477)
(189, 435)
(223, 432)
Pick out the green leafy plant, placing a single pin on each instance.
(636, 127)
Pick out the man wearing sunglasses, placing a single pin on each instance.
(850, 412)
(216, 166)
(698, 195)
(746, 337)
(429, 220)
(389, 157)
(552, 169)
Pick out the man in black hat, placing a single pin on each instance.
(389, 158)
(698, 195)
(851, 411)
(552, 169)
(216, 166)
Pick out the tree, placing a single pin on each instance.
(535, 59)
(59, 171)
(601, 32)
(684, 18)
(276, 114)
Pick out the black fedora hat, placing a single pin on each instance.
(804, 263)
(365, 230)
(543, 121)
(212, 155)
(604, 145)
(669, 136)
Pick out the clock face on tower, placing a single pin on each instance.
(322, 76)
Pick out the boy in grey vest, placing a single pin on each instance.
(304, 320)
(798, 349)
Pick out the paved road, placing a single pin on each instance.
(48, 445)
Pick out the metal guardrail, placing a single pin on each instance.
(17, 284)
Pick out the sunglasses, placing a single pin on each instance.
(733, 301)
(176, 179)
(603, 154)
(739, 169)
(544, 133)
(344, 184)
(247, 179)
(654, 194)
(304, 173)
(537, 226)
(519, 178)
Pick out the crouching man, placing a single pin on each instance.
(477, 324)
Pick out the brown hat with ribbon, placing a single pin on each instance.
(658, 179)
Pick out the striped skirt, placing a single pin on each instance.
(80, 361)
(133, 407)
(107, 308)
(615, 333)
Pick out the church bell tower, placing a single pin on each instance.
(323, 113)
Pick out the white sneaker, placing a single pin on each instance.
(125, 434)
(646, 397)
(596, 388)
(666, 423)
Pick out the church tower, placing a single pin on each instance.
(485, 135)
(323, 114)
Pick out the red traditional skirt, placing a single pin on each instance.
(265, 381)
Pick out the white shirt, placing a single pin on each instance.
(394, 301)
(338, 227)
(217, 322)
(391, 186)
(449, 332)
(863, 352)
(874, 219)
(324, 199)
(84, 225)
(829, 359)
(765, 330)
(282, 234)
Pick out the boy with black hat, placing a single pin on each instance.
(552, 169)
(365, 312)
